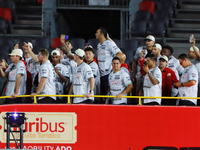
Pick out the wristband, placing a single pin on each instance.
(91, 91)
(148, 72)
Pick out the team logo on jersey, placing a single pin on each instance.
(116, 82)
(168, 75)
(77, 76)
(117, 77)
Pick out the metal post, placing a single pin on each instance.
(21, 136)
(8, 137)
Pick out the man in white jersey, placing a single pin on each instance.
(30, 58)
(89, 56)
(46, 78)
(119, 83)
(106, 50)
(173, 64)
(187, 86)
(152, 85)
(146, 50)
(62, 74)
(83, 80)
(16, 74)
(156, 51)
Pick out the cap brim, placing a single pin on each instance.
(148, 39)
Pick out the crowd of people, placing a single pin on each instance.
(155, 73)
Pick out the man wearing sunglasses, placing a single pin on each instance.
(187, 87)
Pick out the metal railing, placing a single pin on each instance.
(101, 96)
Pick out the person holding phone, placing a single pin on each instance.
(152, 85)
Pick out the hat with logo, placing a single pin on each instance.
(192, 49)
(17, 52)
(80, 52)
(31, 45)
(55, 52)
(150, 37)
(164, 57)
(158, 46)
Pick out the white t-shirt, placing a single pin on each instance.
(64, 70)
(12, 71)
(118, 82)
(47, 71)
(153, 90)
(105, 53)
(190, 73)
(96, 73)
(81, 83)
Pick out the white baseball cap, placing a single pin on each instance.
(150, 37)
(31, 45)
(164, 57)
(55, 52)
(17, 52)
(158, 46)
(80, 52)
(191, 49)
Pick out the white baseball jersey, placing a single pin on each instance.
(194, 61)
(96, 73)
(157, 62)
(125, 70)
(69, 62)
(32, 66)
(105, 53)
(12, 71)
(64, 70)
(47, 71)
(153, 90)
(190, 73)
(174, 64)
(198, 69)
(118, 82)
(81, 83)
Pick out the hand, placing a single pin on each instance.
(4, 64)
(62, 38)
(193, 42)
(16, 46)
(142, 53)
(177, 84)
(119, 96)
(14, 96)
(145, 68)
(88, 95)
(26, 46)
(140, 93)
(33, 94)
(56, 70)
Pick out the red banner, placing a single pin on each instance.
(105, 127)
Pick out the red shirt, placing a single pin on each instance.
(126, 66)
(168, 78)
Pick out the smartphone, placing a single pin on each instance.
(66, 37)
(191, 38)
(145, 63)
